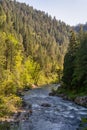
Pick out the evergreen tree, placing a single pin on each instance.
(2, 16)
(32, 47)
(69, 61)
(80, 71)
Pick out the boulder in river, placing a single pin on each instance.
(24, 104)
(51, 94)
(46, 105)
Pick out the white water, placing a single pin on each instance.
(62, 115)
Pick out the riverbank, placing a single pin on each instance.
(14, 115)
(79, 98)
(21, 114)
(16, 106)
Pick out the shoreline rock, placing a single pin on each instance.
(80, 100)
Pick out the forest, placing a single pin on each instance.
(32, 47)
(32, 50)
(74, 78)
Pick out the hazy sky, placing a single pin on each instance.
(70, 11)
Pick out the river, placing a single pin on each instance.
(48, 112)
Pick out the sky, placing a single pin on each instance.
(71, 12)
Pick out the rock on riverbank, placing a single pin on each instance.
(80, 100)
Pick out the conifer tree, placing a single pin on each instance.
(80, 71)
(69, 61)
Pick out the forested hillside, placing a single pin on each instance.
(32, 49)
(40, 37)
(74, 78)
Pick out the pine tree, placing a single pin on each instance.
(69, 61)
(80, 71)
(2, 16)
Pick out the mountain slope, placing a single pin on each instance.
(41, 35)
(32, 49)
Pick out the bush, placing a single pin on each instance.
(9, 105)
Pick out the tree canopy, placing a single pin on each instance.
(33, 45)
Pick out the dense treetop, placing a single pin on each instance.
(40, 35)
(75, 65)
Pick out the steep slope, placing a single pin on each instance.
(40, 37)
(32, 49)
(44, 38)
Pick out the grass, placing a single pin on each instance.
(84, 120)
(71, 93)
(83, 124)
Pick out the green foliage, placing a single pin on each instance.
(84, 120)
(41, 35)
(31, 72)
(83, 124)
(75, 65)
(69, 61)
(9, 104)
(5, 126)
(32, 49)
(2, 16)
(68, 69)
(80, 73)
